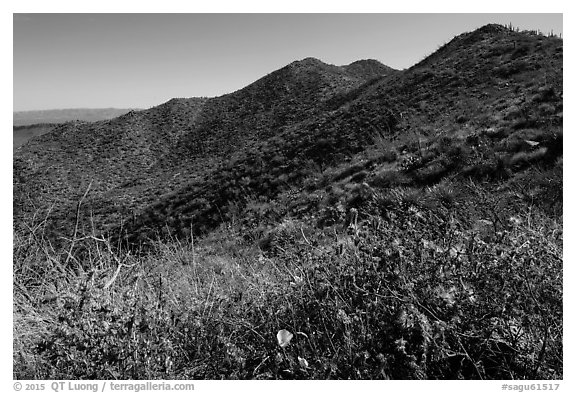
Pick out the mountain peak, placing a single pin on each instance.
(366, 62)
(492, 28)
(368, 68)
(307, 62)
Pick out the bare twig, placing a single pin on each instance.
(192, 243)
(304, 236)
(78, 206)
(260, 365)
(470, 359)
(114, 276)
(40, 245)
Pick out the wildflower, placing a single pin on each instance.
(401, 344)
(284, 337)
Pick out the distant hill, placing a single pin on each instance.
(21, 134)
(63, 115)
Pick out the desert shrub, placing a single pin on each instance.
(441, 145)
(445, 193)
(541, 188)
(473, 139)
(350, 170)
(388, 155)
(545, 94)
(461, 119)
(457, 153)
(521, 50)
(495, 132)
(407, 196)
(257, 212)
(388, 178)
(553, 141)
(513, 145)
(422, 75)
(511, 68)
(427, 155)
(410, 162)
(358, 195)
(493, 167)
(359, 177)
(431, 173)
(523, 159)
(546, 109)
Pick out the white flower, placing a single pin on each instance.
(284, 337)
(303, 362)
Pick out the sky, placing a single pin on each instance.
(142, 60)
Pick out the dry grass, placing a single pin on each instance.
(422, 289)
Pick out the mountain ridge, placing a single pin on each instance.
(292, 111)
(164, 136)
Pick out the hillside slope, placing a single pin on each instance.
(135, 158)
(466, 112)
(269, 137)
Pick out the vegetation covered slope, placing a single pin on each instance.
(137, 157)
(400, 226)
(441, 118)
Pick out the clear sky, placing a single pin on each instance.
(142, 60)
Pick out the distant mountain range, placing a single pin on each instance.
(54, 116)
